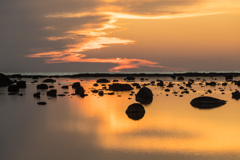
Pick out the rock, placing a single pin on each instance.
(141, 79)
(42, 86)
(95, 91)
(51, 86)
(52, 93)
(80, 91)
(170, 84)
(129, 78)
(180, 78)
(61, 95)
(144, 96)
(64, 87)
(211, 84)
(224, 84)
(120, 87)
(160, 83)
(115, 80)
(229, 77)
(4, 80)
(13, 88)
(135, 111)
(76, 85)
(186, 92)
(111, 93)
(49, 80)
(207, 102)
(167, 90)
(100, 93)
(103, 80)
(34, 77)
(236, 95)
(12, 93)
(137, 85)
(21, 84)
(16, 76)
(41, 103)
(95, 84)
(36, 95)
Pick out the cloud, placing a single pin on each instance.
(77, 26)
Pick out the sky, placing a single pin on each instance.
(119, 35)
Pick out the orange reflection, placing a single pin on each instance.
(173, 126)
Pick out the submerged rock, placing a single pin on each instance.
(100, 93)
(160, 83)
(13, 88)
(236, 95)
(103, 80)
(129, 78)
(229, 77)
(4, 80)
(120, 87)
(207, 102)
(135, 111)
(41, 103)
(42, 86)
(64, 87)
(80, 91)
(76, 85)
(36, 95)
(52, 93)
(49, 80)
(21, 84)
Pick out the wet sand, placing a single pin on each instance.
(96, 126)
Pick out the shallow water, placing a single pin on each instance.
(97, 127)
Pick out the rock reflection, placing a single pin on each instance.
(207, 102)
(135, 111)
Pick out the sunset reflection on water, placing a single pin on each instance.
(170, 123)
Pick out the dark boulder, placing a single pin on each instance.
(76, 85)
(42, 86)
(52, 93)
(229, 77)
(36, 95)
(160, 83)
(207, 102)
(13, 88)
(64, 87)
(49, 80)
(144, 96)
(180, 78)
(115, 80)
(95, 84)
(236, 95)
(80, 91)
(211, 84)
(21, 84)
(41, 103)
(100, 93)
(129, 78)
(4, 80)
(120, 87)
(137, 85)
(135, 111)
(51, 86)
(95, 91)
(103, 80)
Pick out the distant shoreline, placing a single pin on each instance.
(173, 74)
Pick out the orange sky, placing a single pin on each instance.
(153, 35)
